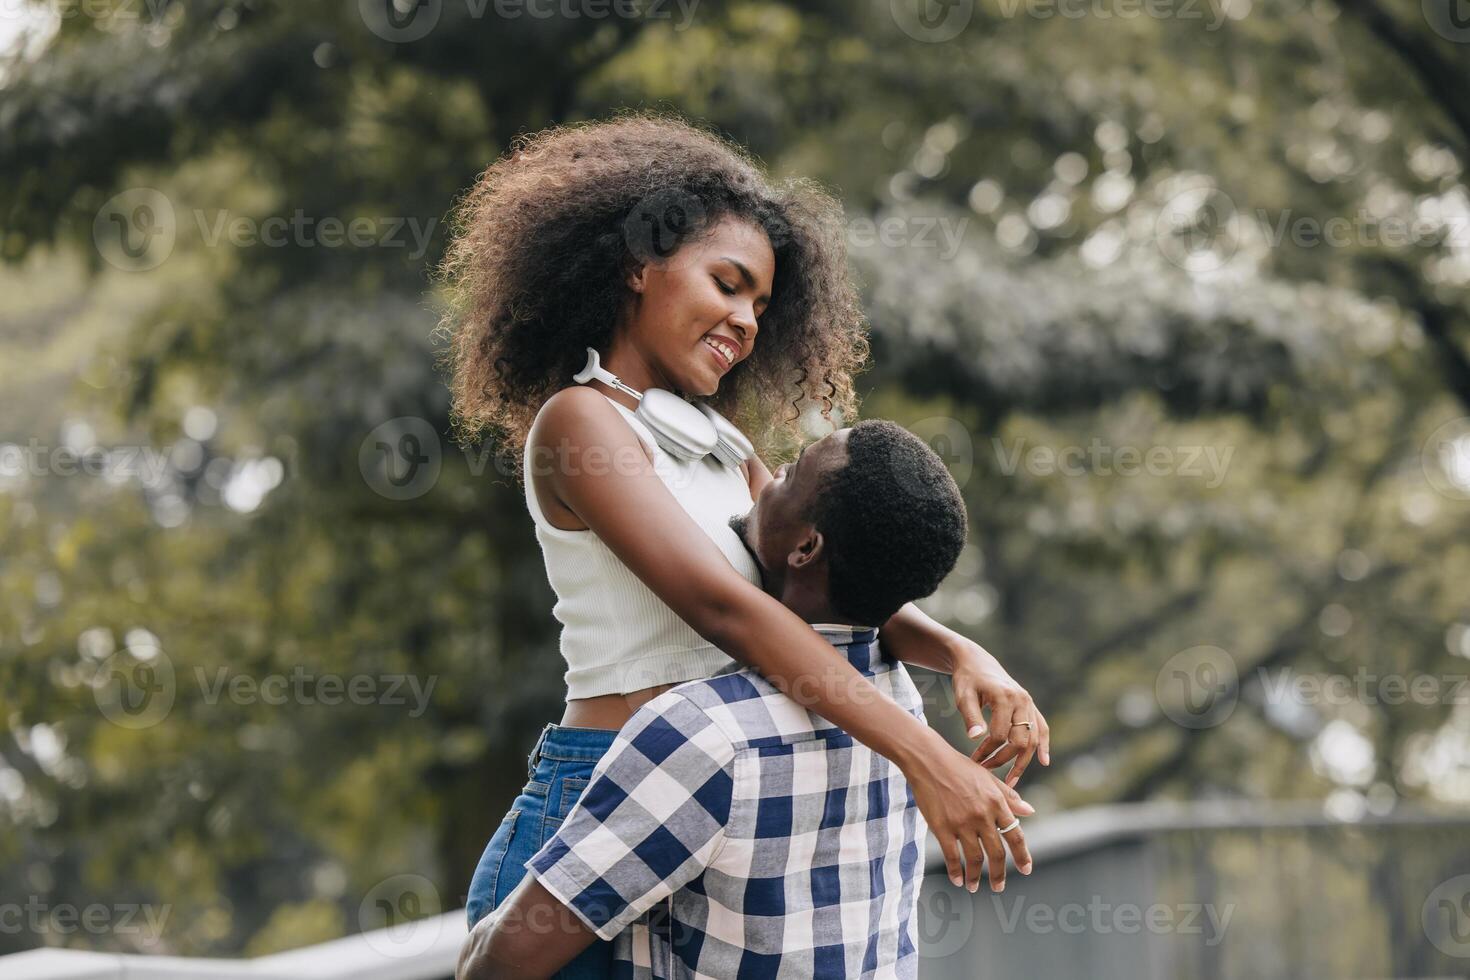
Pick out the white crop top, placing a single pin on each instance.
(617, 636)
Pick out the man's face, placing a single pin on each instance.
(776, 531)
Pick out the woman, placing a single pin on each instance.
(667, 251)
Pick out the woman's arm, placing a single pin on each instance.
(600, 471)
(977, 678)
(915, 638)
(978, 681)
(757, 475)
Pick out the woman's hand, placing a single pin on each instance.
(965, 806)
(980, 681)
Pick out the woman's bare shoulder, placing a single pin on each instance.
(569, 411)
(582, 417)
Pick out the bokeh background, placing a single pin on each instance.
(1178, 287)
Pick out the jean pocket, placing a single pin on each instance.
(571, 792)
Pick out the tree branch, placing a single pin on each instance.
(1443, 81)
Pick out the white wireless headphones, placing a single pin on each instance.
(683, 430)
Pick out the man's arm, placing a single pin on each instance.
(529, 935)
(648, 823)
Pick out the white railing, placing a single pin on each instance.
(425, 949)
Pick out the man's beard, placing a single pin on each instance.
(739, 524)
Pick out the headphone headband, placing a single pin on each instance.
(685, 431)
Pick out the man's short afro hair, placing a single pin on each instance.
(892, 520)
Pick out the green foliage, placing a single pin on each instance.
(1110, 188)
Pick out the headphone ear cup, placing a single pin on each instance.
(682, 431)
(732, 447)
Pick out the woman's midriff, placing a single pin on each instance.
(610, 711)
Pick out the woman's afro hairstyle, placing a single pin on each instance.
(535, 274)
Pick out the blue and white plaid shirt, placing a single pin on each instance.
(730, 832)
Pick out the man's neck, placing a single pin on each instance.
(817, 610)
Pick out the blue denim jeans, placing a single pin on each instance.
(560, 767)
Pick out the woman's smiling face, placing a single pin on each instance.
(695, 314)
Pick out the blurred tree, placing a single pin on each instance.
(1081, 237)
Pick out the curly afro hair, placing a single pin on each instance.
(535, 274)
(893, 521)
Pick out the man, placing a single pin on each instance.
(729, 831)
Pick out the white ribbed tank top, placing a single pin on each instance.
(617, 636)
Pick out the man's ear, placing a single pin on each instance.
(808, 550)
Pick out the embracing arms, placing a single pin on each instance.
(978, 679)
(602, 474)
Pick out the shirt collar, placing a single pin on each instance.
(858, 642)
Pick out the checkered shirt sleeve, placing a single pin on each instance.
(650, 821)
